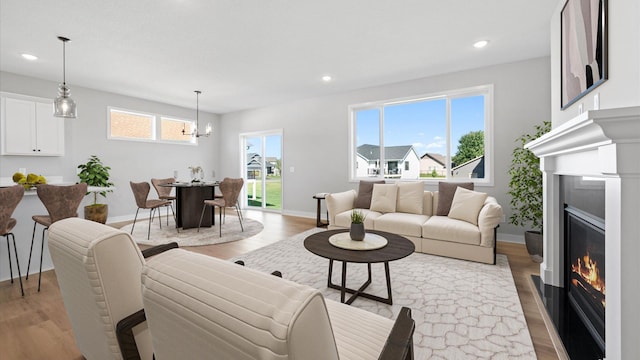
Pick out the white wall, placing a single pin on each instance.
(87, 135)
(315, 135)
(622, 88)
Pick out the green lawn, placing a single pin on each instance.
(274, 193)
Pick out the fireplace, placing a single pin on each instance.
(601, 144)
(585, 272)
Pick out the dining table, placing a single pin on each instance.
(190, 197)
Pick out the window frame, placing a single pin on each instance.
(156, 127)
(449, 95)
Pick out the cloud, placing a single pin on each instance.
(438, 143)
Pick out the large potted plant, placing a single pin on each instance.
(94, 173)
(525, 189)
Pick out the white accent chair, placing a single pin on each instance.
(200, 307)
(98, 269)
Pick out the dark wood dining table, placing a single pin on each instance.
(190, 197)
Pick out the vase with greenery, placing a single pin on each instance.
(356, 232)
(94, 173)
(525, 189)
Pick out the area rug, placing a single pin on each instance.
(462, 309)
(231, 231)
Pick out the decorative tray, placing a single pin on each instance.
(370, 242)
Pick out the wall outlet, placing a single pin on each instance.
(292, 169)
(504, 218)
(596, 101)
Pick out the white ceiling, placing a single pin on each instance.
(251, 53)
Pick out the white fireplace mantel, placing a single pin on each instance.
(603, 144)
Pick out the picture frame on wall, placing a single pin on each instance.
(583, 43)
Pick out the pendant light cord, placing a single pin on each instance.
(64, 63)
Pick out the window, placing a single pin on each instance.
(437, 137)
(137, 126)
(171, 129)
(131, 125)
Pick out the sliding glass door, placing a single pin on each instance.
(262, 162)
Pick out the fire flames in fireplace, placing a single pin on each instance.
(587, 276)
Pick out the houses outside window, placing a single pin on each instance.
(437, 136)
(139, 126)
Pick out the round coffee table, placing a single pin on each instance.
(398, 247)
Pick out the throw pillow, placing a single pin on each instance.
(446, 190)
(410, 197)
(365, 188)
(466, 205)
(383, 198)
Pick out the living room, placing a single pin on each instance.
(526, 91)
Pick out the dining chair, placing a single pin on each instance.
(230, 189)
(61, 202)
(164, 193)
(9, 199)
(141, 192)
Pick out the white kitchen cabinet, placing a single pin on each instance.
(29, 127)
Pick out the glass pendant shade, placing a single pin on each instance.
(63, 105)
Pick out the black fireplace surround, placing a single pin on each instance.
(578, 309)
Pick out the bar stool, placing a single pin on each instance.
(9, 199)
(61, 202)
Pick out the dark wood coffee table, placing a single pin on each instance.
(398, 247)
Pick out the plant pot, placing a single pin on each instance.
(357, 232)
(96, 212)
(533, 240)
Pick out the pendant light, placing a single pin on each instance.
(63, 105)
(195, 132)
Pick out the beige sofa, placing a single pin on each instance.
(432, 234)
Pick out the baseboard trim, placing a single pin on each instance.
(511, 238)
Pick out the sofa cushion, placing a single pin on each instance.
(365, 189)
(410, 197)
(384, 198)
(446, 190)
(401, 223)
(343, 219)
(466, 205)
(447, 229)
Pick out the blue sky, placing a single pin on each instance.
(422, 124)
(273, 146)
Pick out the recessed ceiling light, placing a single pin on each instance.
(480, 44)
(29, 57)
(327, 78)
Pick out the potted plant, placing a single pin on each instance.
(525, 189)
(94, 173)
(356, 231)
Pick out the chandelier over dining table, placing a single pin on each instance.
(196, 132)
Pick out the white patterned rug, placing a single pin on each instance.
(462, 309)
(231, 231)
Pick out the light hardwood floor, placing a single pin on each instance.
(37, 327)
